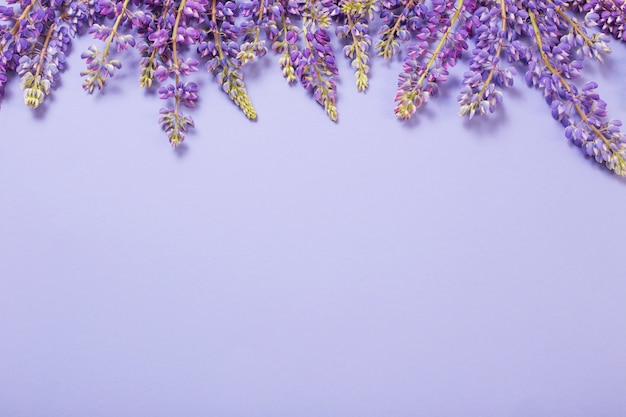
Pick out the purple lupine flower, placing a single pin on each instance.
(221, 48)
(425, 67)
(258, 16)
(551, 67)
(174, 124)
(167, 29)
(481, 93)
(315, 64)
(608, 15)
(159, 39)
(99, 66)
(34, 46)
(355, 16)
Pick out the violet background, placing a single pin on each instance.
(296, 267)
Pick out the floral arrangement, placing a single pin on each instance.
(549, 40)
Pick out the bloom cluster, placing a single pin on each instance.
(609, 15)
(34, 38)
(438, 36)
(548, 41)
(553, 62)
(488, 73)
(357, 15)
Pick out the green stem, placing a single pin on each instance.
(441, 43)
(218, 44)
(175, 34)
(118, 20)
(498, 51)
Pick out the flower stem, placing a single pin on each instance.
(498, 50)
(218, 42)
(574, 25)
(391, 34)
(16, 26)
(175, 34)
(42, 53)
(118, 20)
(441, 43)
(361, 72)
(258, 28)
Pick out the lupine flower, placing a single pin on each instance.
(166, 28)
(426, 66)
(34, 46)
(551, 67)
(356, 16)
(284, 35)
(315, 63)
(258, 14)
(481, 93)
(608, 15)
(222, 51)
(99, 66)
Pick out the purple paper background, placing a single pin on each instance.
(296, 267)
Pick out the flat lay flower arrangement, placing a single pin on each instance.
(547, 41)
